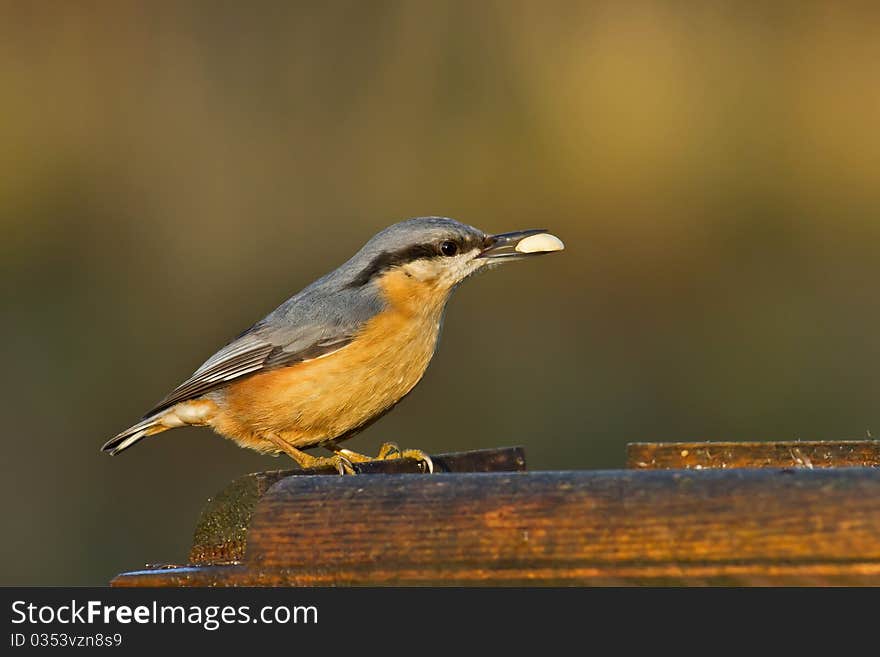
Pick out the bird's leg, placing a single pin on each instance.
(386, 451)
(306, 461)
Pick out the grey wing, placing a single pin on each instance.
(246, 355)
(294, 333)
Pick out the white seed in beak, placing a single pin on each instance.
(541, 243)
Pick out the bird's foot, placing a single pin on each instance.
(342, 464)
(393, 451)
(387, 451)
(338, 461)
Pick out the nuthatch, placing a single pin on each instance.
(341, 353)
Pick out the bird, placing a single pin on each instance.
(341, 353)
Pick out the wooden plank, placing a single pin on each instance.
(786, 454)
(822, 574)
(794, 526)
(221, 532)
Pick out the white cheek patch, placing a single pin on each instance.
(542, 243)
(422, 270)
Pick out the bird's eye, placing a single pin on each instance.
(448, 248)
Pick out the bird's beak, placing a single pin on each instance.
(521, 244)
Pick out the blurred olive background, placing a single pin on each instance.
(171, 172)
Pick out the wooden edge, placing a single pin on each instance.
(738, 574)
(557, 519)
(737, 526)
(221, 532)
(784, 454)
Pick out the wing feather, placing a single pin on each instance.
(246, 355)
(321, 319)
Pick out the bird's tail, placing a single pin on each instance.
(146, 427)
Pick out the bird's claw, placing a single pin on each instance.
(423, 458)
(389, 451)
(393, 451)
(344, 459)
(343, 465)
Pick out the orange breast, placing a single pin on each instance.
(328, 397)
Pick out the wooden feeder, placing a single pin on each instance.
(783, 513)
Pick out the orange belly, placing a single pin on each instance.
(329, 397)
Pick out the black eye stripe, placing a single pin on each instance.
(388, 259)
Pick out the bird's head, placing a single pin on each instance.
(436, 253)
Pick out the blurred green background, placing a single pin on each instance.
(169, 174)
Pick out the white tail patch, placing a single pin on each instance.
(196, 412)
